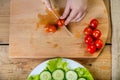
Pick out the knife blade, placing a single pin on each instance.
(64, 27)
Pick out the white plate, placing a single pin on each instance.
(71, 64)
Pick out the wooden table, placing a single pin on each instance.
(18, 69)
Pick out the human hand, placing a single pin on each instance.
(74, 11)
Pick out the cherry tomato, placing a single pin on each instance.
(91, 48)
(99, 43)
(61, 22)
(88, 40)
(94, 23)
(88, 31)
(50, 28)
(96, 33)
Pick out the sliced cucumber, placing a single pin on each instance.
(82, 79)
(71, 75)
(45, 75)
(58, 74)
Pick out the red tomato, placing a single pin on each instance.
(96, 34)
(88, 40)
(91, 48)
(94, 23)
(88, 31)
(50, 28)
(61, 22)
(99, 43)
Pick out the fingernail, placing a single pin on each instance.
(61, 17)
(49, 9)
(65, 23)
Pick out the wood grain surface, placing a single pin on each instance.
(107, 3)
(27, 42)
(18, 69)
(5, 21)
(115, 12)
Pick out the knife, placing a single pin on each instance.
(64, 27)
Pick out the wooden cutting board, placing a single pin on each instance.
(28, 39)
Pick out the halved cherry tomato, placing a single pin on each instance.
(99, 43)
(94, 23)
(96, 33)
(88, 31)
(50, 28)
(61, 22)
(88, 39)
(91, 48)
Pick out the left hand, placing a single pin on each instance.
(74, 11)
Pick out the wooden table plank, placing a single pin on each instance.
(18, 69)
(100, 65)
(115, 12)
(4, 27)
(4, 21)
(4, 7)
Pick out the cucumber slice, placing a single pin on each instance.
(82, 79)
(45, 75)
(71, 75)
(58, 74)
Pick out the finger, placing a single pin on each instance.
(79, 19)
(73, 13)
(66, 12)
(48, 4)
